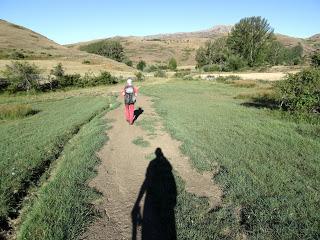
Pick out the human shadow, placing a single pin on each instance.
(158, 219)
(137, 113)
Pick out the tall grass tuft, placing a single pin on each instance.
(16, 111)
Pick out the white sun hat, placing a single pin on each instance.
(129, 81)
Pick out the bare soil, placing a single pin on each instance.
(123, 168)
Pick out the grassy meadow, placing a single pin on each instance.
(269, 166)
(31, 142)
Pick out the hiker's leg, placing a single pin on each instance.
(131, 112)
(126, 110)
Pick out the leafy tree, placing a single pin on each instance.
(249, 38)
(315, 59)
(141, 65)
(172, 64)
(275, 53)
(213, 52)
(107, 48)
(22, 76)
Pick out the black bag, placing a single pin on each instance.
(129, 97)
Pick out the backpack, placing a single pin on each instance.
(129, 97)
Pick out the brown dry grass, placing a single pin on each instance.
(35, 46)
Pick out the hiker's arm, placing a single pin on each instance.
(141, 192)
(135, 91)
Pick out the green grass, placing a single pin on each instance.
(141, 142)
(62, 209)
(148, 124)
(269, 166)
(29, 145)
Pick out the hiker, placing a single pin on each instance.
(130, 93)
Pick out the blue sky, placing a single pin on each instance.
(71, 21)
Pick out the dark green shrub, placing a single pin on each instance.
(107, 48)
(3, 84)
(17, 55)
(211, 68)
(315, 59)
(22, 76)
(128, 62)
(86, 62)
(234, 63)
(160, 73)
(69, 80)
(172, 65)
(141, 65)
(300, 91)
(105, 78)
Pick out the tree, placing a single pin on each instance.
(22, 76)
(249, 38)
(141, 65)
(172, 64)
(275, 53)
(213, 52)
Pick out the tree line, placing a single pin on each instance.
(23, 76)
(251, 43)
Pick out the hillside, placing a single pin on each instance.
(17, 42)
(157, 49)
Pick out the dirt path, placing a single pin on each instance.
(123, 168)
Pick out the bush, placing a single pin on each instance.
(15, 111)
(17, 55)
(22, 76)
(211, 68)
(57, 71)
(139, 76)
(3, 84)
(315, 59)
(160, 73)
(141, 65)
(86, 62)
(69, 80)
(128, 62)
(105, 78)
(234, 63)
(181, 74)
(151, 68)
(300, 91)
(172, 65)
(107, 48)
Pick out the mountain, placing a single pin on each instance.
(22, 43)
(159, 48)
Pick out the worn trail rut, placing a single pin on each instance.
(123, 168)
